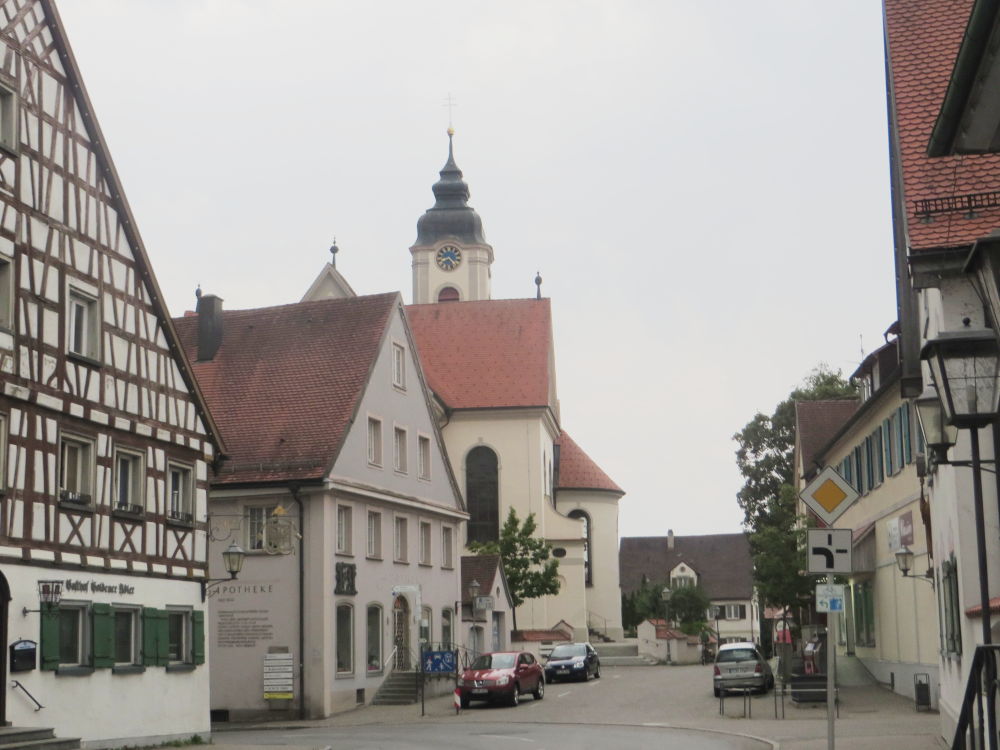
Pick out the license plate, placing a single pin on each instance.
(479, 691)
(562, 671)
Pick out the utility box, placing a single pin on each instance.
(922, 691)
(23, 656)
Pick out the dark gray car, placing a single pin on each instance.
(572, 661)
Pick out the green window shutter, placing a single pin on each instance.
(49, 636)
(103, 631)
(198, 637)
(154, 637)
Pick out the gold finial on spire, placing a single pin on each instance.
(450, 103)
(451, 131)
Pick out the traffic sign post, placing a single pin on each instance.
(829, 551)
(828, 495)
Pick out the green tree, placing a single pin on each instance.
(688, 605)
(642, 604)
(527, 560)
(765, 457)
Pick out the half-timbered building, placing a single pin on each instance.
(105, 444)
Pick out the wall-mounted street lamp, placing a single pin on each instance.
(965, 365)
(49, 592)
(233, 559)
(904, 560)
(939, 436)
(665, 595)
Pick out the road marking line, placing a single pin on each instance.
(562, 694)
(507, 737)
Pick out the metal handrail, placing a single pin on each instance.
(970, 730)
(390, 659)
(592, 617)
(16, 684)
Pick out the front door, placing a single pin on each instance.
(4, 606)
(401, 633)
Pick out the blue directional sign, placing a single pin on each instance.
(436, 662)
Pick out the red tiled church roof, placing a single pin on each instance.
(923, 40)
(577, 470)
(286, 381)
(486, 354)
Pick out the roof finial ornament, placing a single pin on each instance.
(333, 252)
(538, 284)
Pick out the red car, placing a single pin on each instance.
(501, 676)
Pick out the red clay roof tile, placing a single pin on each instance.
(279, 368)
(577, 470)
(923, 41)
(486, 354)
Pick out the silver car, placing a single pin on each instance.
(740, 665)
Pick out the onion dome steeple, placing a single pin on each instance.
(451, 215)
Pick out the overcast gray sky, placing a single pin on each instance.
(703, 186)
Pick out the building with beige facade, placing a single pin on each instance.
(890, 621)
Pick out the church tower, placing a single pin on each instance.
(451, 258)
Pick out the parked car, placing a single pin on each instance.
(501, 676)
(740, 665)
(572, 661)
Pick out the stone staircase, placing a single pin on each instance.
(623, 654)
(30, 738)
(398, 689)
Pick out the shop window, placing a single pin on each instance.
(179, 636)
(345, 639)
(864, 614)
(374, 636)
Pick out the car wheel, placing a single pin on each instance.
(718, 692)
(465, 701)
(515, 697)
(597, 672)
(539, 690)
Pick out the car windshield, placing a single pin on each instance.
(566, 652)
(738, 654)
(494, 661)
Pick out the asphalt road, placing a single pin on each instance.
(629, 707)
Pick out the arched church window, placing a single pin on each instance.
(587, 543)
(448, 294)
(482, 492)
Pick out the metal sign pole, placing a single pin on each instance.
(831, 644)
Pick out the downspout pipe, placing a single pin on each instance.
(294, 489)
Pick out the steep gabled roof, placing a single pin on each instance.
(486, 354)
(22, 19)
(816, 422)
(923, 39)
(286, 382)
(722, 562)
(578, 471)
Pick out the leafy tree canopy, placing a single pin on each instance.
(765, 457)
(688, 605)
(527, 562)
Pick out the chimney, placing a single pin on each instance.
(209, 326)
(670, 539)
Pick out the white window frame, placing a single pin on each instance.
(83, 339)
(424, 537)
(186, 651)
(135, 501)
(373, 666)
(79, 488)
(84, 639)
(399, 457)
(447, 547)
(180, 507)
(423, 457)
(345, 523)
(6, 292)
(374, 441)
(374, 548)
(732, 611)
(255, 518)
(135, 656)
(3, 454)
(399, 366)
(349, 670)
(9, 116)
(400, 531)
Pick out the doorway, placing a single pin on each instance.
(401, 633)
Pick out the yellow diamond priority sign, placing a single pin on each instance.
(828, 495)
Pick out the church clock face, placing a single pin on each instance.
(448, 258)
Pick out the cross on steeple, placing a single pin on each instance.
(450, 103)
